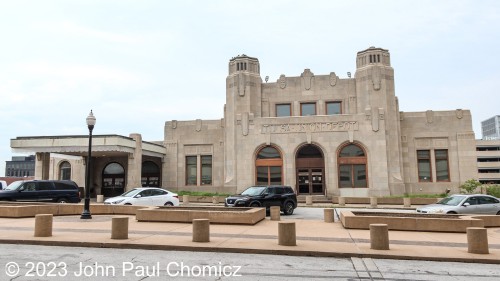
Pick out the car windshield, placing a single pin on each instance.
(253, 190)
(14, 186)
(452, 200)
(131, 193)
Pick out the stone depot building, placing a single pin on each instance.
(320, 134)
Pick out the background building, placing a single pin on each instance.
(20, 166)
(490, 128)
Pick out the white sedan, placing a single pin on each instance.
(145, 196)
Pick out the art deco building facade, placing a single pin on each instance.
(320, 134)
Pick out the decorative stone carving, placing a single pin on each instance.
(198, 125)
(381, 113)
(282, 81)
(244, 124)
(376, 78)
(460, 113)
(307, 76)
(174, 124)
(429, 114)
(368, 113)
(333, 79)
(401, 115)
(241, 84)
(351, 136)
(375, 121)
(309, 137)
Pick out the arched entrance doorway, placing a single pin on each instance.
(310, 166)
(113, 180)
(268, 167)
(352, 167)
(150, 175)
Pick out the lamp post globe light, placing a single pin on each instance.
(86, 209)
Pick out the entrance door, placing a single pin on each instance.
(310, 170)
(113, 180)
(310, 181)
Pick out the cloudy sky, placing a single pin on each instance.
(137, 64)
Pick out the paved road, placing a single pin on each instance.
(65, 263)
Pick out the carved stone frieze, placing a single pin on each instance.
(333, 79)
(282, 81)
(307, 77)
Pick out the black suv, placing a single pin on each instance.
(265, 196)
(42, 190)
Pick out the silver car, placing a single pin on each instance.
(464, 204)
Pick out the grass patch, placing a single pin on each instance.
(201, 193)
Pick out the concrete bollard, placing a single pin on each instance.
(379, 236)
(185, 199)
(286, 233)
(215, 199)
(373, 202)
(407, 202)
(100, 198)
(43, 225)
(309, 200)
(328, 215)
(201, 230)
(275, 213)
(341, 201)
(119, 228)
(477, 240)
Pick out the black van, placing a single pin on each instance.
(42, 191)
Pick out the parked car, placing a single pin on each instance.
(146, 196)
(42, 190)
(265, 196)
(3, 185)
(464, 204)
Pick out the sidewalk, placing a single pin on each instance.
(314, 238)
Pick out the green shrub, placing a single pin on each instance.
(470, 186)
(493, 190)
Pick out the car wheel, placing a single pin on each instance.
(169, 204)
(289, 207)
(498, 213)
(254, 204)
(62, 200)
(128, 204)
(451, 213)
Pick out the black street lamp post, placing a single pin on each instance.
(86, 209)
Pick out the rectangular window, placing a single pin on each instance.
(191, 170)
(442, 171)
(333, 108)
(307, 109)
(424, 165)
(283, 110)
(206, 170)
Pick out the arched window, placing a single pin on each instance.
(269, 166)
(65, 171)
(352, 166)
(150, 175)
(113, 180)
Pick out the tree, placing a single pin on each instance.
(470, 186)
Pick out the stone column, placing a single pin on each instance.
(42, 165)
(275, 213)
(286, 233)
(134, 167)
(341, 201)
(407, 202)
(328, 214)
(43, 225)
(119, 228)
(477, 240)
(309, 200)
(201, 230)
(379, 237)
